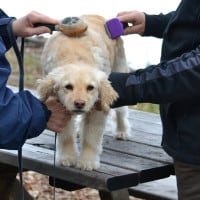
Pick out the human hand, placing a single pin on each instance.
(136, 18)
(59, 115)
(24, 26)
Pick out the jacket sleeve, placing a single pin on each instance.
(4, 21)
(167, 82)
(156, 24)
(22, 115)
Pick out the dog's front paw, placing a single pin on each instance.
(122, 135)
(87, 165)
(67, 161)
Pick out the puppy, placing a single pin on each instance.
(76, 70)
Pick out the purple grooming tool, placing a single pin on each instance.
(115, 28)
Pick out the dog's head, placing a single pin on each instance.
(78, 88)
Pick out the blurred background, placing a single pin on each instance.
(140, 51)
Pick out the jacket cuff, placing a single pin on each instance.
(151, 22)
(155, 25)
(125, 92)
(4, 31)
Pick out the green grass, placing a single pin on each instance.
(32, 67)
(147, 107)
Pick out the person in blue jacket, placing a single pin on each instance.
(174, 84)
(22, 115)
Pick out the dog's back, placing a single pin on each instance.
(93, 47)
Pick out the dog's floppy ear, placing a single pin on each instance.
(107, 95)
(45, 88)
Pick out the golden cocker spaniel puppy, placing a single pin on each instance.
(76, 71)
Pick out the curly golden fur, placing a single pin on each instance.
(76, 72)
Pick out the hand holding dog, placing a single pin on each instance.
(136, 18)
(59, 115)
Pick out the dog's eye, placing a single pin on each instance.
(90, 87)
(69, 87)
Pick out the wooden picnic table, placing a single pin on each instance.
(124, 164)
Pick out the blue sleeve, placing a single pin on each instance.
(4, 21)
(22, 115)
(166, 82)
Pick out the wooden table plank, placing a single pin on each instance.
(138, 149)
(116, 148)
(118, 169)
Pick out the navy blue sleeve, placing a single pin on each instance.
(4, 21)
(167, 82)
(155, 24)
(22, 115)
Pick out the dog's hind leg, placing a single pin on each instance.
(66, 149)
(91, 141)
(122, 123)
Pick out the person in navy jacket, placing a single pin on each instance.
(174, 84)
(22, 115)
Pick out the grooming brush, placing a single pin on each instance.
(115, 28)
(70, 26)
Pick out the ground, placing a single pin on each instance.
(37, 185)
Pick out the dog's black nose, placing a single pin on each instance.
(79, 104)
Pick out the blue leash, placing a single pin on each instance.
(21, 88)
(20, 57)
(54, 166)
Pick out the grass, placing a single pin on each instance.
(147, 107)
(32, 67)
(33, 71)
